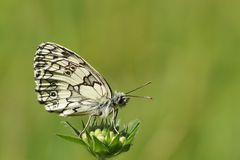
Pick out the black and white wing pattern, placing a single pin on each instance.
(66, 83)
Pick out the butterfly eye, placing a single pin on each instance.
(53, 94)
(122, 101)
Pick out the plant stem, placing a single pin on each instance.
(101, 158)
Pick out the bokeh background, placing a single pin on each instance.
(190, 50)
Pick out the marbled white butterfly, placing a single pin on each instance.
(69, 85)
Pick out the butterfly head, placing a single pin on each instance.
(120, 99)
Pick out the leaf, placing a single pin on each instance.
(133, 125)
(73, 128)
(72, 139)
(89, 140)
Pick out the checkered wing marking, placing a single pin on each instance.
(66, 83)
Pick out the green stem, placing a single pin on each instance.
(101, 158)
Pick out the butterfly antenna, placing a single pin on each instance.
(138, 87)
(145, 97)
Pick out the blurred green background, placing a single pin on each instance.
(190, 50)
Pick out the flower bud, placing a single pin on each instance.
(91, 133)
(122, 139)
(100, 137)
(101, 140)
(84, 137)
(104, 132)
(97, 132)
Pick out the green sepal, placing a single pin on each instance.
(99, 147)
(132, 130)
(115, 145)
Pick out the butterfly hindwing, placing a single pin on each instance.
(66, 83)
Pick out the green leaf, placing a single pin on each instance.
(73, 128)
(133, 125)
(72, 139)
(89, 139)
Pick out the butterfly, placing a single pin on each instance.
(67, 84)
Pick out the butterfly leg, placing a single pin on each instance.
(114, 118)
(87, 124)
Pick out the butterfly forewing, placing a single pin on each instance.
(66, 83)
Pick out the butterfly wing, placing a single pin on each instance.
(66, 83)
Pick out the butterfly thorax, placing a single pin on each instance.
(119, 99)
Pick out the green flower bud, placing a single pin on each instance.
(122, 139)
(84, 137)
(104, 132)
(97, 132)
(91, 133)
(102, 141)
(100, 137)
